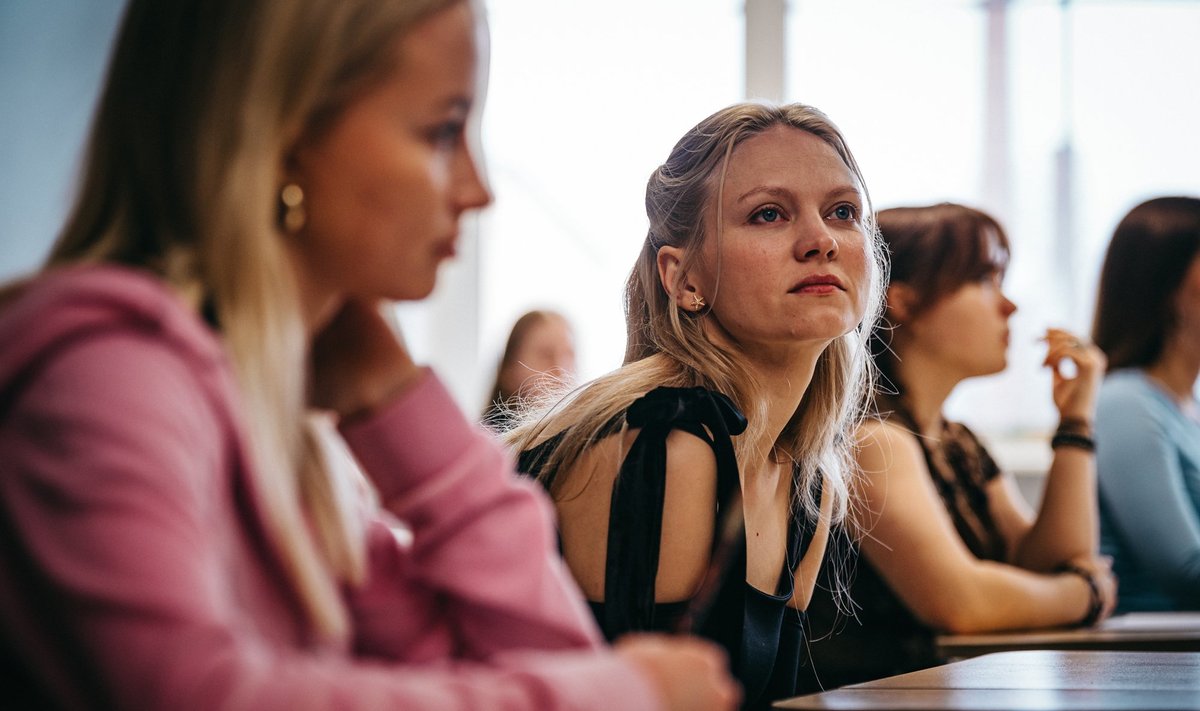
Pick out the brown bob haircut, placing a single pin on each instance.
(934, 251)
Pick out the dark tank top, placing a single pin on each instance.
(883, 637)
(762, 635)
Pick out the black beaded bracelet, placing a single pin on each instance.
(1070, 439)
(1095, 604)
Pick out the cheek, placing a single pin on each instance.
(860, 267)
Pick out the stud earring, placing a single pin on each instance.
(697, 302)
(294, 215)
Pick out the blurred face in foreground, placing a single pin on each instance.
(386, 184)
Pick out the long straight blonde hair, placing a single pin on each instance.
(667, 346)
(202, 103)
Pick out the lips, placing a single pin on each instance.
(818, 284)
(447, 249)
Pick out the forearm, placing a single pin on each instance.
(994, 597)
(1067, 526)
(483, 537)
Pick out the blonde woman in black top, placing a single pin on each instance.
(745, 370)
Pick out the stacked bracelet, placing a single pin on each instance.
(1069, 439)
(1095, 604)
(1074, 432)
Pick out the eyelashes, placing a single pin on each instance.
(769, 214)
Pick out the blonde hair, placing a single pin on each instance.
(181, 177)
(667, 346)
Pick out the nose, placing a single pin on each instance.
(1007, 307)
(814, 241)
(472, 191)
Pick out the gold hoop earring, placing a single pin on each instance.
(697, 302)
(294, 215)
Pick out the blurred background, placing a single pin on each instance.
(1056, 116)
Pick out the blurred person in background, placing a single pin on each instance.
(948, 544)
(538, 360)
(1148, 421)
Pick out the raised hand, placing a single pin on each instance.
(1074, 396)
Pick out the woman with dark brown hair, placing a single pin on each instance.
(1148, 419)
(948, 544)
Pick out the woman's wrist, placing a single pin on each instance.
(1075, 425)
(1095, 604)
(375, 395)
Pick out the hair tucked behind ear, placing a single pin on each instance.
(668, 346)
(181, 177)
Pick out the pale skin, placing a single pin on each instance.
(791, 214)
(911, 539)
(544, 358)
(385, 188)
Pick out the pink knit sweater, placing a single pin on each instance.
(134, 572)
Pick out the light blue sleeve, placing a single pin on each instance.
(1142, 483)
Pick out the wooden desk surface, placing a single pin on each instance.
(1136, 631)
(1030, 681)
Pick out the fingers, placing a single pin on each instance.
(1077, 368)
(1063, 345)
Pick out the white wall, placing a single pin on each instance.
(53, 54)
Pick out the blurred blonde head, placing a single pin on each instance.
(203, 102)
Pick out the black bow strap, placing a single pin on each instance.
(635, 517)
(670, 405)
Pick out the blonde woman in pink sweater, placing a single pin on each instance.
(261, 178)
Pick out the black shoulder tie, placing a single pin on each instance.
(635, 518)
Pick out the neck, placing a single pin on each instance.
(784, 378)
(317, 304)
(926, 387)
(1177, 369)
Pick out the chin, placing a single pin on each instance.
(412, 291)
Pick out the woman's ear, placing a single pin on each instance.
(677, 282)
(901, 301)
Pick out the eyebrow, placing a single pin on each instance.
(458, 103)
(776, 191)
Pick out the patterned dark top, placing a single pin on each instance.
(763, 636)
(885, 638)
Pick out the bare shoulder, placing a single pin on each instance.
(884, 447)
(689, 516)
(583, 496)
(689, 455)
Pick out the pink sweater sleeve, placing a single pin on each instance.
(115, 565)
(483, 536)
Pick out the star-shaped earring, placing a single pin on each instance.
(697, 302)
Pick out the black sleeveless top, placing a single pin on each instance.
(762, 635)
(884, 638)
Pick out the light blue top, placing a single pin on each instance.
(1148, 461)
